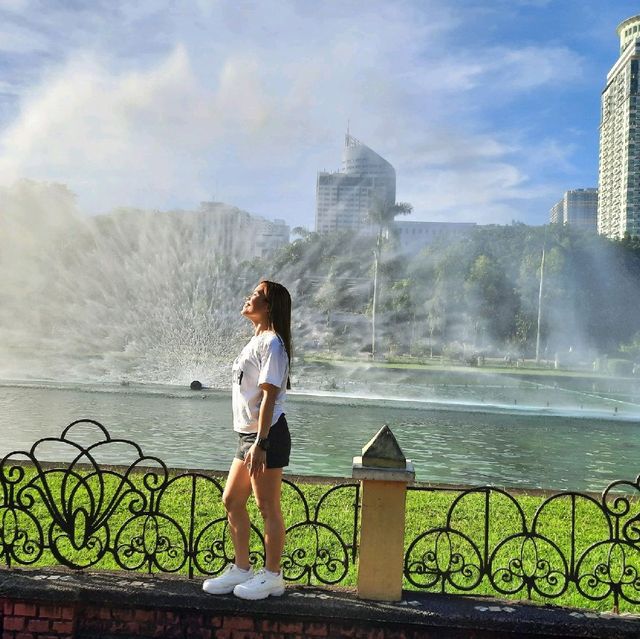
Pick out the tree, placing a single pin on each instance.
(632, 349)
(382, 214)
(301, 232)
(523, 331)
(493, 297)
(435, 320)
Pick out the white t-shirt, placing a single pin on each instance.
(262, 361)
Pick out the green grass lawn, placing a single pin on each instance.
(447, 536)
(491, 366)
(565, 531)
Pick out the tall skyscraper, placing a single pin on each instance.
(578, 208)
(619, 171)
(344, 198)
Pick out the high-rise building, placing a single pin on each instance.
(577, 207)
(619, 172)
(344, 198)
(556, 214)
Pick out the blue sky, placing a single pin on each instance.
(489, 109)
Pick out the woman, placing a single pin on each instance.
(260, 380)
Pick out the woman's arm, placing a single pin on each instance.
(269, 396)
(256, 458)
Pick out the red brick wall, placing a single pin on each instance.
(28, 620)
(148, 623)
(21, 619)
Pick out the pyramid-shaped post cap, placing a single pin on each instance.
(383, 451)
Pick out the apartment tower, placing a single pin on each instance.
(619, 162)
(577, 208)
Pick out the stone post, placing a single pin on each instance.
(384, 473)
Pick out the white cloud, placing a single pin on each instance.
(167, 105)
(531, 67)
(14, 6)
(507, 71)
(20, 40)
(102, 129)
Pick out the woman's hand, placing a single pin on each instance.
(255, 460)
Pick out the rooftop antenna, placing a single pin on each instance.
(349, 140)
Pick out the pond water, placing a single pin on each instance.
(457, 443)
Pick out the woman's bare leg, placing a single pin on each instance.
(266, 489)
(235, 496)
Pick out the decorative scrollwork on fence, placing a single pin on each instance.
(570, 543)
(317, 548)
(143, 516)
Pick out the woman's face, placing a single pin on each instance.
(256, 307)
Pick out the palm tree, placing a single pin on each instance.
(382, 214)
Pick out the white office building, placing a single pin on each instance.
(619, 171)
(578, 207)
(412, 237)
(344, 198)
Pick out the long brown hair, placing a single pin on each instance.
(279, 302)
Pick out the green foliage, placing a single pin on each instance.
(479, 291)
(632, 348)
(488, 285)
(513, 546)
(383, 213)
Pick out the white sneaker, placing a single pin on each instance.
(227, 581)
(260, 586)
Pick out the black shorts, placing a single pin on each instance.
(279, 444)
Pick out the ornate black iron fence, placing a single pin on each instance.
(568, 544)
(144, 516)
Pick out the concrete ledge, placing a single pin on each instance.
(435, 615)
(360, 471)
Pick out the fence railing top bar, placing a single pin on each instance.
(517, 492)
(172, 470)
(299, 478)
